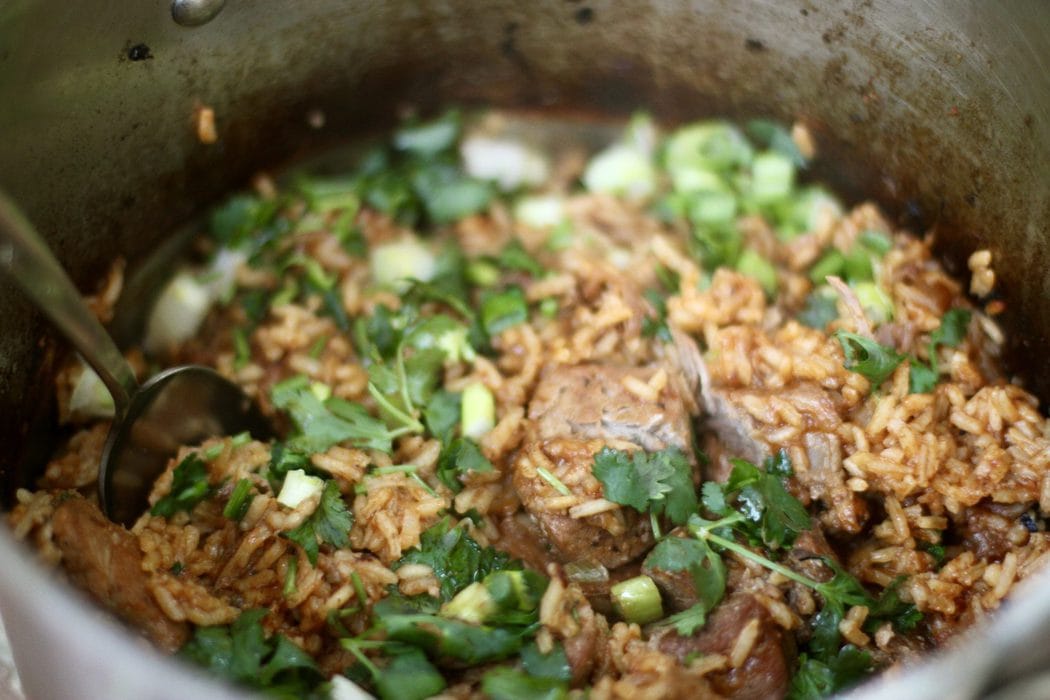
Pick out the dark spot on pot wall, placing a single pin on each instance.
(584, 15)
(754, 44)
(139, 52)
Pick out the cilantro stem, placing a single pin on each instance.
(554, 481)
(424, 485)
(359, 589)
(396, 469)
(704, 532)
(655, 525)
(402, 378)
(352, 646)
(408, 421)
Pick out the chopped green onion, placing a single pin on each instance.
(477, 411)
(561, 237)
(622, 170)
(875, 241)
(858, 267)
(772, 176)
(637, 600)
(213, 451)
(755, 266)
(473, 605)
(547, 211)
(318, 347)
(554, 481)
(322, 391)
(240, 500)
(290, 574)
(829, 265)
(394, 264)
(713, 207)
(875, 301)
(359, 588)
(241, 439)
(549, 307)
(482, 273)
(712, 146)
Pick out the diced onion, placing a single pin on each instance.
(90, 397)
(394, 263)
(178, 313)
(478, 410)
(298, 486)
(342, 688)
(622, 170)
(540, 212)
(509, 163)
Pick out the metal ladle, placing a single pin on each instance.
(179, 406)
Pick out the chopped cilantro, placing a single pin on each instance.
(441, 414)
(951, 331)
(502, 310)
(657, 482)
(866, 357)
(765, 502)
(820, 310)
(330, 523)
(775, 137)
(459, 457)
(695, 556)
(688, 621)
(656, 326)
(456, 559)
(241, 653)
(554, 665)
(817, 679)
(515, 257)
(512, 684)
(321, 424)
(189, 486)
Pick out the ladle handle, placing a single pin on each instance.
(27, 259)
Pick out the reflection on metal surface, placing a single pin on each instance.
(194, 13)
(10, 686)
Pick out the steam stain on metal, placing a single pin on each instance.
(139, 52)
(584, 15)
(756, 45)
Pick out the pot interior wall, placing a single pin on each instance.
(939, 110)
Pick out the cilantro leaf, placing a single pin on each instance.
(441, 414)
(766, 502)
(953, 327)
(511, 684)
(330, 523)
(515, 257)
(866, 357)
(688, 621)
(241, 653)
(504, 309)
(459, 457)
(921, 377)
(656, 326)
(321, 424)
(554, 665)
(408, 676)
(817, 679)
(820, 310)
(695, 556)
(889, 607)
(456, 559)
(189, 486)
(658, 482)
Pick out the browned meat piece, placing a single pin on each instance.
(104, 559)
(590, 401)
(766, 671)
(825, 480)
(581, 648)
(991, 530)
(807, 553)
(736, 433)
(611, 538)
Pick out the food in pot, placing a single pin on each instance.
(664, 421)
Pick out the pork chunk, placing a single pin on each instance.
(591, 401)
(104, 559)
(764, 674)
(611, 538)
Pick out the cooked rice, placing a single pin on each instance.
(954, 468)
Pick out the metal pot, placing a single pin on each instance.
(940, 110)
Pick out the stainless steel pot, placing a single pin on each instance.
(939, 109)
